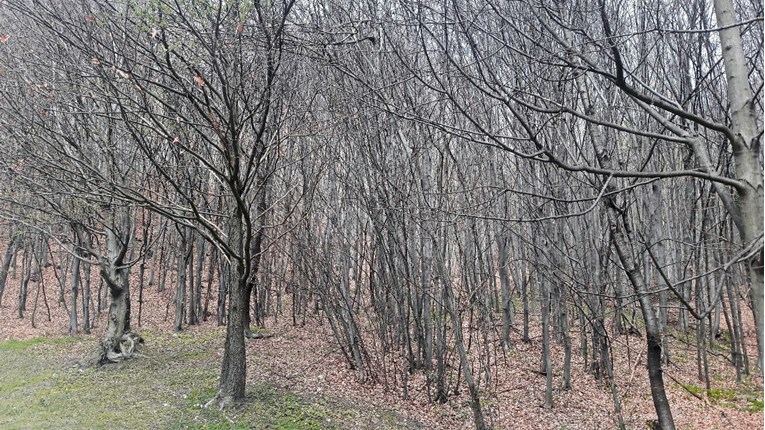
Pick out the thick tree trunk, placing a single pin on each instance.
(115, 276)
(234, 368)
(746, 142)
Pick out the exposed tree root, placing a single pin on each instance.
(114, 351)
(128, 346)
(221, 401)
(250, 335)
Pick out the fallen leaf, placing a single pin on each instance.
(122, 74)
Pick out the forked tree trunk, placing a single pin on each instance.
(118, 343)
(746, 141)
(115, 276)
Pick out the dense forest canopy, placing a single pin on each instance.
(424, 175)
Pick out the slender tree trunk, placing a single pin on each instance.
(223, 286)
(10, 251)
(256, 245)
(86, 299)
(184, 253)
(619, 229)
(504, 282)
(213, 263)
(475, 400)
(195, 304)
(566, 340)
(544, 292)
(75, 286)
(26, 269)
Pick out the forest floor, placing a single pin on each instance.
(42, 387)
(298, 380)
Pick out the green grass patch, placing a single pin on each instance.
(41, 388)
(743, 399)
(755, 405)
(266, 407)
(20, 345)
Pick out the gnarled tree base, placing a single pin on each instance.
(114, 351)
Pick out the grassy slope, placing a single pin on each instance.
(41, 387)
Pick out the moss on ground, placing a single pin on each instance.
(743, 399)
(40, 388)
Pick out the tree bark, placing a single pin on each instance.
(74, 289)
(115, 275)
(620, 231)
(7, 258)
(746, 142)
(234, 367)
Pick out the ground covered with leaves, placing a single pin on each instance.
(298, 379)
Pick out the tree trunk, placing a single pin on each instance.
(653, 331)
(546, 368)
(26, 269)
(7, 258)
(184, 251)
(256, 250)
(746, 142)
(504, 282)
(475, 400)
(195, 305)
(115, 276)
(86, 299)
(74, 289)
(234, 368)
